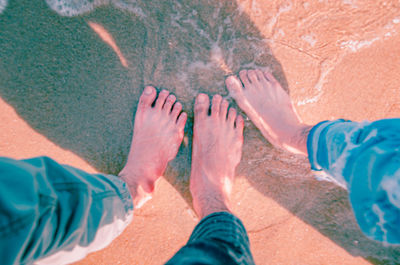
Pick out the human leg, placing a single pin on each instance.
(56, 214)
(220, 237)
(269, 107)
(157, 134)
(362, 157)
(365, 158)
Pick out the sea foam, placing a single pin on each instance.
(3, 4)
(72, 8)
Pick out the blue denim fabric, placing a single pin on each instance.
(46, 207)
(364, 157)
(219, 238)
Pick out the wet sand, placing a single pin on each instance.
(66, 94)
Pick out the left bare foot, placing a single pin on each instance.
(157, 135)
(269, 107)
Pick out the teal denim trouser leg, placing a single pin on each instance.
(364, 157)
(218, 239)
(56, 214)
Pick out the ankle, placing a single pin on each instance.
(140, 186)
(211, 203)
(297, 142)
(138, 171)
(136, 178)
(209, 197)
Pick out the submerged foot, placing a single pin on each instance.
(269, 107)
(217, 148)
(157, 135)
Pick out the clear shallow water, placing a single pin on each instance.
(70, 85)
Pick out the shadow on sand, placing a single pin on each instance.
(70, 86)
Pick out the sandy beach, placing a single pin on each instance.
(71, 79)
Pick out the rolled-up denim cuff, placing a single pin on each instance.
(223, 226)
(314, 144)
(123, 192)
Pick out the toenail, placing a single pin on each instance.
(201, 98)
(148, 90)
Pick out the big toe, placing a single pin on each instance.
(201, 106)
(147, 97)
(234, 86)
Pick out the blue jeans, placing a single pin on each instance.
(365, 158)
(56, 214)
(219, 239)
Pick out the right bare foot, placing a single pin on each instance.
(269, 107)
(217, 149)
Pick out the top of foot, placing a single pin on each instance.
(269, 107)
(217, 148)
(157, 134)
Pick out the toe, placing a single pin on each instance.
(216, 105)
(234, 85)
(231, 116)
(161, 99)
(260, 75)
(201, 106)
(268, 75)
(224, 109)
(252, 76)
(147, 97)
(168, 103)
(244, 78)
(263, 81)
(181, 121)
(239, 123)
(176, 110)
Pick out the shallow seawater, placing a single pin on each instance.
(70, 85)
(80, 92)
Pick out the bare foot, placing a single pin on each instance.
(269, 107)
(217, 149)
(157, 135)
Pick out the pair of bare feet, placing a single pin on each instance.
(157, 135)
(217, 138)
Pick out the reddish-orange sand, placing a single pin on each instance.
(341, 59)
(159, 229)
